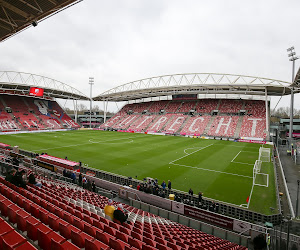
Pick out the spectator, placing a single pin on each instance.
(31, 180)
(200, 199)
(93, 186)
(80, 179)
(10, 175)
(66, 158)
(191, 193)
(163, 185)
(84, 182)
(109, 209)
(19, 179)
(120, 214)
(169, 185)
(89, 185)
(138, 186)
(73, 177)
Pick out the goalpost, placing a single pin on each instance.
(256, 169)
(264, 154)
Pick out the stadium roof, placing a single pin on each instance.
(20, 83)
(17, 15)
(296, 82)
(195, 83)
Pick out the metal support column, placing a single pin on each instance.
(104, 110)
(267, 115)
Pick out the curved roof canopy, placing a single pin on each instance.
(195, 83)
(21, 82)
(17, 15)
(296, 82)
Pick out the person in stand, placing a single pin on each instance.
(138, 187)
(191, 192)
(73, 177)
(200, 199)
(169, 185)
(80, 179)
(84, 182)
(163, 185)
(93, 186)
(66, 158)
(10, 175)
(19, 179)
(32, 180)
(120, 214)
(109, 209)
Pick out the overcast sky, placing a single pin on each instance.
(126, 40)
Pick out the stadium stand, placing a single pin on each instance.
(27, 113)
(60, 216)
(212, 117)
(223, 126)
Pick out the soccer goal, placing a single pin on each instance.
(264, 154)
(259, 179)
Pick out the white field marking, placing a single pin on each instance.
(211, 170)
(191, 153)
(189, 148)
(243, 163)
(236, 156)
(91, 140)
(75, 145)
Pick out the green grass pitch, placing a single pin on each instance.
(222, 170)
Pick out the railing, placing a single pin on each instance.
(285, 186)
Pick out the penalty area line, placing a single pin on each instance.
(171, 162)
(212, 170)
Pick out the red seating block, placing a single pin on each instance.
(109, 230)
(11, 212)
(12, 240)
(91, 230)
(103, 237)
(95, 245)
(25, 246)
(4, 207)
(162, 247)
(135, 243)
(31, 227)
(149, 242)
(122, 236)
(78, 238)
(53, 221)
(137, 236)
(98, 224)
(117, 244)
(78, 223)
(65, 230)
(45, 238)
(5, 228)
(67, 245)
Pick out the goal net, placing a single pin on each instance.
(264, 154)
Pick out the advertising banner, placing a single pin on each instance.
(209, 217)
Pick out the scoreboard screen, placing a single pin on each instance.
(36, 91)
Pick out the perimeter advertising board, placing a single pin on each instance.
(209, 217)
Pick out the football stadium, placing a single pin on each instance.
(189, 161)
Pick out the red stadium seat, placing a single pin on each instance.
(67, 245)
(103, 237)
(78, 238)
(12, 240)
(95, 245)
